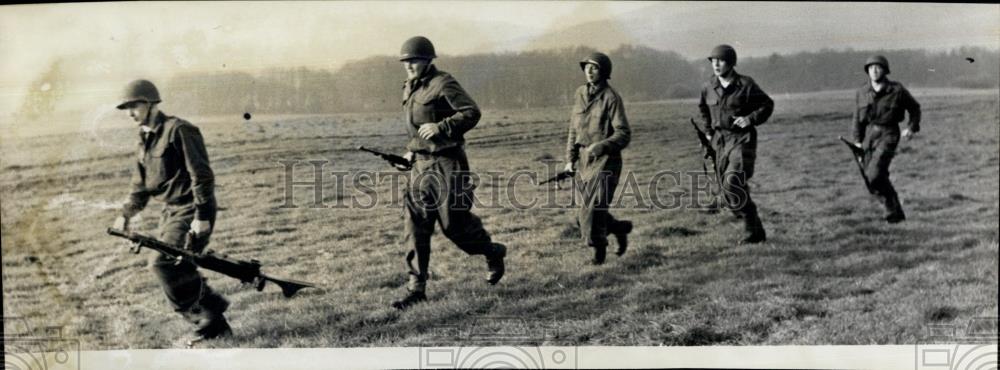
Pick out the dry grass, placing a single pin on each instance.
(831, 273)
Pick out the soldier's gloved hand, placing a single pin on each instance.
(194, 243)
(907, 134)
(569, 167)
(428, 131)
(121, 223)
(197, 237)
(201, 228)
(742, 122)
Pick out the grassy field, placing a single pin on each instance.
(832, 272)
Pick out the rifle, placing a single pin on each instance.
(398, 162)
(709, 152)
(705, 144)
(559, 177)
(244, 271)
(859, 159)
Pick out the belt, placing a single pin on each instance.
(732, 130)
(886, 124)
(451, 152)
(182, 200)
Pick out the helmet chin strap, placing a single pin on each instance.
(149, 109)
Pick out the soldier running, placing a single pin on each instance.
(172, 166)
(599, 127)
(438, 113)
(880, 107)
(732, 106)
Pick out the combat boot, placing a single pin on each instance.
(754, 238)
(411, 299)
(895, 214)
(219, 328)
(894, 209)
(600, 252)
(754, 229)
(416, 288)
(624, 228)
(895, 218)
(494, 262)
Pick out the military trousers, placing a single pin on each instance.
(441, 191)
(880, 148)
(185, 288)
(736, 156)
(597, 183)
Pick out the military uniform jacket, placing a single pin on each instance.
(172, 166)
(743, 98)
(885, 108)
(597, 118)
(436, 97)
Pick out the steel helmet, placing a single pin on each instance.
(724, 52)
(417, 47)
(601, 60)
(139, 90)
(877, 59)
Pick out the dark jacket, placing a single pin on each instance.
(438, 98)
(598, 119)
(885, 108)
(743, 98)
(172, 166)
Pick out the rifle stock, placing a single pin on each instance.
(288, 286)
(244, 271)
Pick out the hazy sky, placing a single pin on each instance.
(102, 45)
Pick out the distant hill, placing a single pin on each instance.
(549, 77)
(540, 78)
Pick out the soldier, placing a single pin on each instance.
(438, 113)
(599, 127)
(881, 104)
(172, 166)
(731, 106)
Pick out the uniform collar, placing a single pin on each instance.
(589, 98)
(427, 76)
(598, 86)
(737, 81)
(409, 86)
(157, 127)
(890, 86)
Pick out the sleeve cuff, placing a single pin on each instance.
(444, 129)
(128, 212)
(205, 211)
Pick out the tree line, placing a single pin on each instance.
(549, 78)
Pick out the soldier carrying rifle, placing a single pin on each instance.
(598, 132)
(438, 112)
(732, 106)
(880, 106)
(172, 166)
